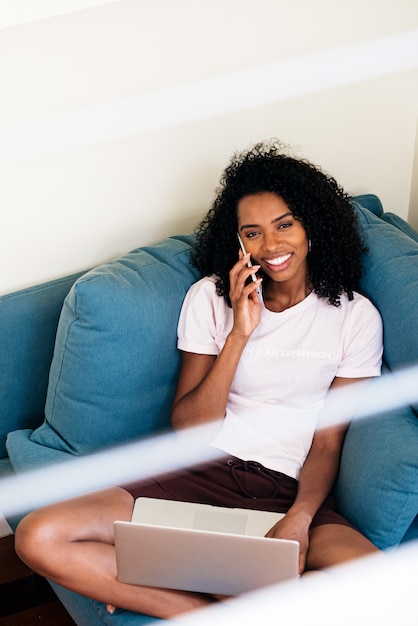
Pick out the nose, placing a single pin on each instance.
(271, 241)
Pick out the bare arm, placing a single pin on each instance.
(315, 482)
(205, 380)
(204, 384)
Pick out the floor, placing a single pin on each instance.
(26, 599)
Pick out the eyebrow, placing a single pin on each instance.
(277, 219)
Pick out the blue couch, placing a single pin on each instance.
(90, 360)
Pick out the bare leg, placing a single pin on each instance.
(72, 544)
(332, 544)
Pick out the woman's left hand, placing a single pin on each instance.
(293, 526)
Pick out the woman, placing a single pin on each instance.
(262, 368)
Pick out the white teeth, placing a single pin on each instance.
(278, 260)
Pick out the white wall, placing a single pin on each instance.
(66, 210)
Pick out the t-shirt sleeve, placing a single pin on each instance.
(363, 342)
(197, 328)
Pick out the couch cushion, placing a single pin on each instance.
(114, 368)
(87, 612)
(391, 282)
(5, 467)
(26, 455)
(377, 488)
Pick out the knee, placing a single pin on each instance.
(334, 544)
(33, 539)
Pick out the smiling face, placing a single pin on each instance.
(274, 238)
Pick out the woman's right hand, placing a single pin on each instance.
(244, 299)
(205, 380)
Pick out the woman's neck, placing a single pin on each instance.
(278, 296)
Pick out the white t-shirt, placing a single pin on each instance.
(285, 371)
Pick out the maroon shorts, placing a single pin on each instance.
(233, 483)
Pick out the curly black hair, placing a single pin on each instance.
(314, 197)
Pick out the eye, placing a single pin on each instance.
(251, 234)
(284, 225)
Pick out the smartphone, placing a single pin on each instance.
(249, 264)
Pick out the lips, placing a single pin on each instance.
(278, 260)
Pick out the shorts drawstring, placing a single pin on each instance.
(256, 468)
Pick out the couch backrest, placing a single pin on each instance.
(28, 324)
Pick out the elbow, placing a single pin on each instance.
(177, 419)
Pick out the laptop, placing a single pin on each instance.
(202, 548)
